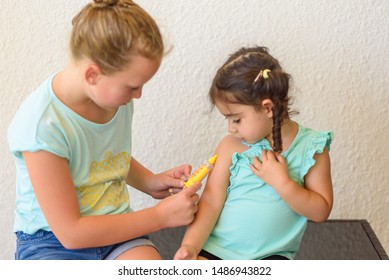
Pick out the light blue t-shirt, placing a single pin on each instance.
(255, 222)
(99, 155)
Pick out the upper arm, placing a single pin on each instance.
(318, 179)
(215, 190)
(53, 186)
(219, 177)
(213, 197)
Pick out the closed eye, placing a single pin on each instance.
(233, 120)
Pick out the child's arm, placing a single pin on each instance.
(210, 203)
(53, 185)
(157, 185)
(315, 200)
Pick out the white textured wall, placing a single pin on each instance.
(337, 52)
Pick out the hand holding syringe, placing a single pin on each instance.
(201, 172)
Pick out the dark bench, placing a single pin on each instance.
(331, 240)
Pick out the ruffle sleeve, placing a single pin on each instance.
(316, 145)
(247, 156)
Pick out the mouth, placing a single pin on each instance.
(239, 138)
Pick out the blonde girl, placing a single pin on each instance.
(71, 140)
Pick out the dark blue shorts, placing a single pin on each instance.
(43, 245)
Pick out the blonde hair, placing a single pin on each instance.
(109, 32)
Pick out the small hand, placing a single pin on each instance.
(185, 252)
(272, 168)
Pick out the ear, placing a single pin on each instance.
(267, 106)
(92, 74)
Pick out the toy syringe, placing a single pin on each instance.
(201, 172)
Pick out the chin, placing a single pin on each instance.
(250, 141)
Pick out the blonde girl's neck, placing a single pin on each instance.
(69, 84)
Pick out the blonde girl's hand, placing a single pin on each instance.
(169, 182)
(272, 168)
(179, 209)
(185, 252)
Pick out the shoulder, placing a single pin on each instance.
(315, 139)
(226, 148)
(34, 104)
(30, 112)
(32, 120)
(218, 179)
(229, 145)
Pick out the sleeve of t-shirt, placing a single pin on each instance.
(36, 127)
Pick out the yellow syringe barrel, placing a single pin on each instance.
(201, 172)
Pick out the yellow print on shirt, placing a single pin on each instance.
(106, 186)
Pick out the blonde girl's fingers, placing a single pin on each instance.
(196, 208)
(171, 191)
(194, 198)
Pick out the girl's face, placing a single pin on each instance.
(111, 91)
(247, 122)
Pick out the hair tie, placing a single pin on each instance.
(263, 73)
(123, 3)
(106, 2)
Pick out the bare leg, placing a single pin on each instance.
(140, 253)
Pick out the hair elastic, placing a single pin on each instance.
(263, 73)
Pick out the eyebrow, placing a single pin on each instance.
(232, 115)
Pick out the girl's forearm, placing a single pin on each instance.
(139, 176)
(306, 202)
(95, 231)
(199, 230)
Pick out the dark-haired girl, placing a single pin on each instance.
(272, 174)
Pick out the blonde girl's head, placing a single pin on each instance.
(110, 32)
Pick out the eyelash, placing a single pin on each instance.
(234, 121)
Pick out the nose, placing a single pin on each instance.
(137, 94)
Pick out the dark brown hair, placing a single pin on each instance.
(235, 82)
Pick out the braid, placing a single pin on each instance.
(276, 88)
(277, 123)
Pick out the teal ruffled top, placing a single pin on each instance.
(255, 222)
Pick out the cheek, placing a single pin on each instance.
(101, 88)
(108, 96)
(256, 130)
